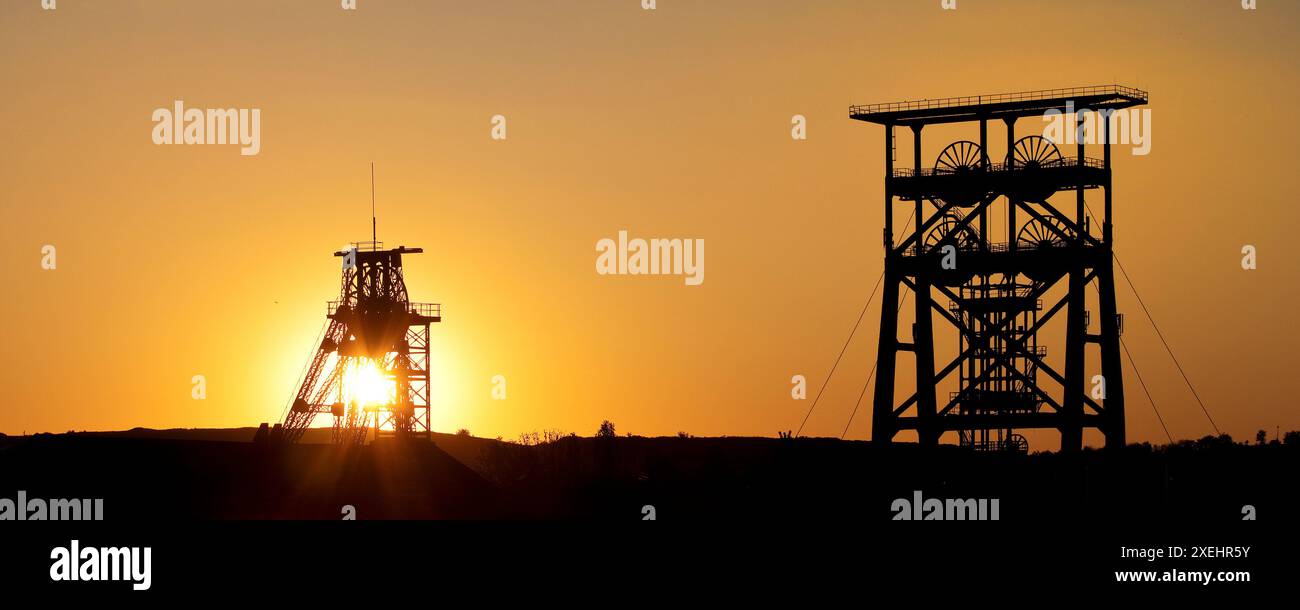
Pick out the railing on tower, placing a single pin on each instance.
(1001, 98)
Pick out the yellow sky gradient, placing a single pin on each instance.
(182, 260)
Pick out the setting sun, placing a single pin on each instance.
(366, 385)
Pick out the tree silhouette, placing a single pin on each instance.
(606, 430)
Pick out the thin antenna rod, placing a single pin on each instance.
(374, 230)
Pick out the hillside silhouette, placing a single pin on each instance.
(220, 474)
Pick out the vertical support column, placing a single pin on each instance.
(427, 393)
(1112, 371)
(916, 156)
(1011, 204)
(923, 343)
(984, 137)
(1105, 222)
(1075, 336)
(883, 422)
(1079, 204)
(889, 195)
(999, 344)
(404, 406)
(1112, 425)
(984, 150)
(922, 329)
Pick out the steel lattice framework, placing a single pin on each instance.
(993, 293)
(373, 320)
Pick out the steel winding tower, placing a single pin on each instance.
(373, 321)
(992, 292)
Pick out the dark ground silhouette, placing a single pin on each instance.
(218, 474)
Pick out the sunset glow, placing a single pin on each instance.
(366, 385)
(670, 123)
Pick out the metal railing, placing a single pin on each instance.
(999, 98)
(1063, 162)
(976, 246)
(1029, 401)
(428, 310)
(958, 307)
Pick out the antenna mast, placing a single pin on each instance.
(374, 231)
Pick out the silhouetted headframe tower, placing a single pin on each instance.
(987, 243)
(373, 320)
(373, 323)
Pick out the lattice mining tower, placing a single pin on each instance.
(991, 291)
(373, 328)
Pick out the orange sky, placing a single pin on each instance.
(182, 260)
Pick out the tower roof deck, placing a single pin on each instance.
(999, 105)
(363, 248)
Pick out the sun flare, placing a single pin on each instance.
(367, 385)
